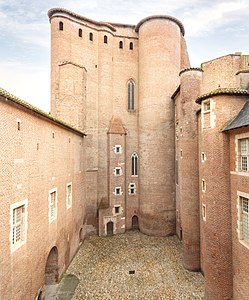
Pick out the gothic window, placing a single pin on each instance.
(105, 39)
(61, 26)
(80, 32)
(134, 164)
(131, 87)
(91, 36)
(121, 45)
(131, 46)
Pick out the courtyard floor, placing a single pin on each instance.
(133, 266)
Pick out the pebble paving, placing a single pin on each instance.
(133, 266)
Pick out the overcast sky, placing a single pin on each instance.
(213, 28)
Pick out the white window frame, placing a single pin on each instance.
(240, 213)
(24, 225)
(132, 186)
(242, 155)
(118, 188)
(54, 216)
(206, 106)
(204, 212)
(203, 157)
(69, 197)
(117, 149)
(203, 185)
(116, 169)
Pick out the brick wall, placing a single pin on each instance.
(41, 156)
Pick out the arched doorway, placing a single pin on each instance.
(51, 269)
(135, 225)
(109, 227)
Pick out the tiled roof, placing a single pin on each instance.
(9, 97)
(53, 11)
(190, 69)
(223, 91)
(161, 17)
(242, 119)
(116, 126)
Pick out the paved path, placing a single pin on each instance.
(133, 266)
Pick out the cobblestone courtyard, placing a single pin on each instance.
(133, 266)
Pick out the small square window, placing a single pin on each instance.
(118, 191)
(117, 209)
(132, 189)
(117, 149)
(118, 171)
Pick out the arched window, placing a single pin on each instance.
(131, 87)
(134, 164)
(131, 46)
(121, 45)
(61, 26)
(105, 39)
(80, 32)
(91, 36)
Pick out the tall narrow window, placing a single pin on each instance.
(69, 195)
(80, 32)
(244, 155)
(131, 87)
(61, 26)
(52, 203)
(243, 219)
(18, 224)
(105, 39)
(121, 45)
(131, 46)
(91, 36)
(134, 164)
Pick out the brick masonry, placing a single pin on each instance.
(187, 183)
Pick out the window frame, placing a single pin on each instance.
(134, 164)
(115, 149)
(24, 224)
(54, 216)
(131, 95)
(61, 26)
(241, 223)
(118, 188)
(132, 186)
(69, 200)
(244, 155)
(117, 169)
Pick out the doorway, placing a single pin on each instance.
(109, 227)
(51, 269)
(135, 225)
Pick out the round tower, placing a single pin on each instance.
(188, 164)
(159, 67)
